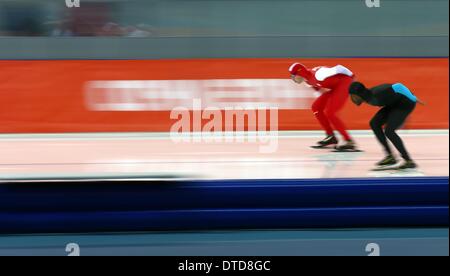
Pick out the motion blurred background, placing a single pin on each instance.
(223, 18)
(241, 40)
(293, 23)
(116, 66)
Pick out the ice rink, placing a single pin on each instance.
(157, 156)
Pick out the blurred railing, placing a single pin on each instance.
(221, 28)
(219, 18)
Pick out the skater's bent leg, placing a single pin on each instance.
(318, 108)
(338, 98)
(397, 142)
(337, 123)
(376, 124)
(396, 119)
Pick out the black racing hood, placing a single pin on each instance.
(359, 89)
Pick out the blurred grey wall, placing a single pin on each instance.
(247, 28)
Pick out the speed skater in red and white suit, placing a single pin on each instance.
(334, 83)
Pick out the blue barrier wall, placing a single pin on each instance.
(208, 205)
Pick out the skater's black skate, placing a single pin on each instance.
(349, 146)
(387, 161)
(408, 164)
(330, 140)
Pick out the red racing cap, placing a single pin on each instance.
(298, 69)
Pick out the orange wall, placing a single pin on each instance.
(47, 96)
